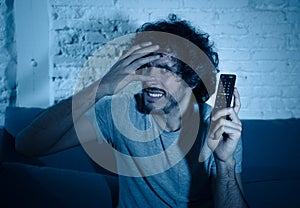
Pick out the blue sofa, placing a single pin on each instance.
(271, 169)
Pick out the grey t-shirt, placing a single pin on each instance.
(157, 168)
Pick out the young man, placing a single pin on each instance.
(170, 152)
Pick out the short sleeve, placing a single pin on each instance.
(98, 116)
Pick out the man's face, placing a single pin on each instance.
(166, 91)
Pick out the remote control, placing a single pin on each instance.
(224, 91)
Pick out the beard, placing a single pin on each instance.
(169, 103)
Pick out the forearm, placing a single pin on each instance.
(228, 192)
(50, 126)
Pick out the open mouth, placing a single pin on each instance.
(154, 92)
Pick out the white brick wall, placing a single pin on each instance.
(259, 40)
(7, 58)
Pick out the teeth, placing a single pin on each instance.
(156, 95)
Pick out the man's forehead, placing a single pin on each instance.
(165, 59)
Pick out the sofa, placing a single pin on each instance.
(271, 169)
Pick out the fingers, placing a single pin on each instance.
(124, 71)
(140, 53)
(134, 48)
(237, 101)
(142, 61)
(226, 112)
(224, 145)
(221, 125)
(135, 58)
(225, 126)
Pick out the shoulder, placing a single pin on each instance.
(112, 101)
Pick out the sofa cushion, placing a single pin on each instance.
(32, 186)
(273, 193)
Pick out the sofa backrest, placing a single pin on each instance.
(267, 145)
(271, 149)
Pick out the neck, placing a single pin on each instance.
(171, 121)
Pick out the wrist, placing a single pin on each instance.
(225, 167)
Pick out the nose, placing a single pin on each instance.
(155, 73)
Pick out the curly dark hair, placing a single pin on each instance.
(177, 37)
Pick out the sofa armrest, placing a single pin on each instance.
(16, 118)
(74, 158)
(8, 152)
(32, 186)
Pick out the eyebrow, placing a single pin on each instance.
(164, 66)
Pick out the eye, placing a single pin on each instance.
(166, 71)
(145, 71)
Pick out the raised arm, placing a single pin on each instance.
(227, 185)
(53, 130)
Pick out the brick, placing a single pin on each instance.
(278, 29)
(231, 29)
(164, 4)
(291, 103)
(270, 108)
(292, 17)
(61, 60)
(234, 54)
(271, 79)
(259, 92)
(294, 3)
(103, 13)
(294, 66)
(64, 24)
(65, 37)
(266, 114)
(252, 17)
(215, 4)
(3, 7)
(63, 84)
(64, 72)
(291, 92)
(293, 42)
(259, 66)
(2, 42)
(74, 50)
(4, 56)
(250, 42)
(271, 54)
(81, 2)
(95, 37)
(68, 12)
(268, 4)
(280, 114)
(4, 95)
